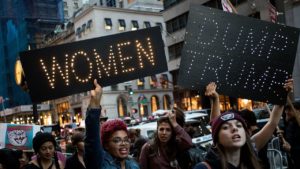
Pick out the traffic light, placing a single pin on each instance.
(130, 91)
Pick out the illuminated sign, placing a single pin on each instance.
(66, 69)
(246, 57)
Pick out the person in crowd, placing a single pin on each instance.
(24, 160)
(291, 143)
(113, 150)
(136, 142)
(44, 147)
(233, 148)
(189, 157)
(9, 159)
(169, 140)
(252, 128)
(76, 160)
(103, 119)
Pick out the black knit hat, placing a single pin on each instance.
(40, 138)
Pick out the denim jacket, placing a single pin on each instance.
(95, 156)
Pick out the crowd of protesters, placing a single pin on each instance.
(238, 142)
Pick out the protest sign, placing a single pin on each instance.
(17, 136)
(246, 57)
(67, 69)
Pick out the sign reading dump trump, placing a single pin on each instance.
(246, 57)
(66, 69)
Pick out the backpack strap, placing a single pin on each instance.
(206, 164)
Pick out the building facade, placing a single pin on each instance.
(71, 7)
(23, 25)
(21, 31)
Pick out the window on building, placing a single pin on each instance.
(83, 27)
(175, 51)
(111, 3)
(147, 24)
(108, 24)
(63, 112)
(160, 25)
(190, 100)
(164, 81)
(121, 3)
(89, 24)
(170, 3)
(135, 25)
(225, 103)
(65, 5)
(78, 32)
(153, 82)
(122, 25)
(76, 5)
(122, 106)
(141, 83)
(177, 23)
(143, 108)
(154, 103)
(66, 13)
(166, 102)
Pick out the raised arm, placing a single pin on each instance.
(93, 155)
(295, 112)
(186, 140)
(265, 134)
(214, 100)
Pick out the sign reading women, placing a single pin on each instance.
(246, 57)
(66, 69)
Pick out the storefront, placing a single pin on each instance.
(24, 115)
(64, 115)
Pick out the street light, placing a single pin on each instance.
(3, 100)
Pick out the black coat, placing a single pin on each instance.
(74, 163)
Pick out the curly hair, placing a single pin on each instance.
(40, 138)
(109, 127)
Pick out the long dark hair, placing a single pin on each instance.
(169, 148)
(248, 157)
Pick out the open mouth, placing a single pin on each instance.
(123, 151)
(236, 137)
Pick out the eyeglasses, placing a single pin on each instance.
(119, 140)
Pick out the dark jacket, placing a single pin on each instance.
(213, 159)
(95, 156)
(293, 137)
(31, 166)
(74, 163)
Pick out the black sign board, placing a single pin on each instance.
(66, 69)
(246, 57)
